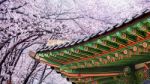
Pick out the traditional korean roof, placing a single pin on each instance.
(102, 55)
(94, 35)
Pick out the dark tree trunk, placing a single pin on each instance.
(42, 75)
(30, 74)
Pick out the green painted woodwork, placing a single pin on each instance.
(52, 62)
(111, 44)
(97, 70)
(119, 40)
(108, 80)
(92, 80)
(120, 62)
(129, 36)
(102, 47)
(139, 77)
(107, 53)
(50, 57)
(127, 61)
(93, 50)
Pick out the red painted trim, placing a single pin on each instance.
(145, 66)
(90, 75)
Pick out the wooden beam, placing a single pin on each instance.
(34, 56)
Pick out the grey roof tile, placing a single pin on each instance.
(98, 33)
(109, 29)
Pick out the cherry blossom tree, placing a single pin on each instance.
(28, 24)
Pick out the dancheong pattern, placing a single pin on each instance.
(119, 55)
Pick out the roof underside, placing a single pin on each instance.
(121, 45)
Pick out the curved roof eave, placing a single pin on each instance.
(125, 22)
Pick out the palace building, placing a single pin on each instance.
(118, 55)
